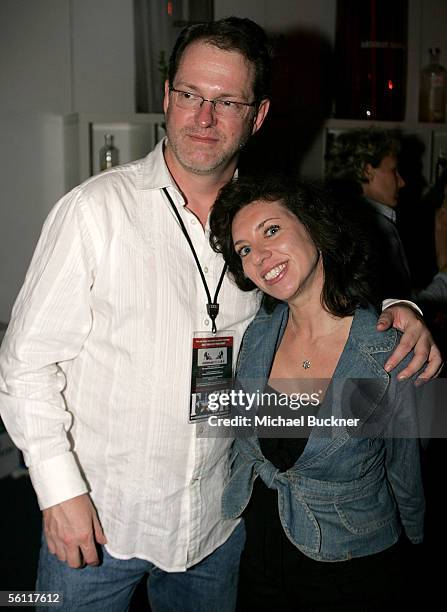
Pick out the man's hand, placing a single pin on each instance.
(416, 336)
(72, 530)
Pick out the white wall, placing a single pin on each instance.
(32, 172)
(56, 57)
(103, 56)
(66, 56)
(34, 55)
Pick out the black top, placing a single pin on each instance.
(275, 574)
(281, 451)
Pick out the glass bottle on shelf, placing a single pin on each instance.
(433, 86)
(108, 154)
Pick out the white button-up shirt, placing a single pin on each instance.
(95, 368)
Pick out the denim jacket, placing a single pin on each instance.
(347, 495)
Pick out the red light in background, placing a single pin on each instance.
(390, 84)
(170, 9)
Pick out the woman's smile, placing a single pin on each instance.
(274, 274)
(276, 251)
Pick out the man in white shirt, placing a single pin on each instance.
(95, 369)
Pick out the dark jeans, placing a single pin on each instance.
(210, 585)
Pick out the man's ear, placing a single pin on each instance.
(261, 114)
(369, 172)
(166, 97)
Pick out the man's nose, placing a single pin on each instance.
(206, 114)
(400, 181)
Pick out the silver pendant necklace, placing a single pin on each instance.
(306, 363)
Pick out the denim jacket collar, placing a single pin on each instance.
(265, 333)
(360, 359)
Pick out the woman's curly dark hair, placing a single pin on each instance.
(336, 231)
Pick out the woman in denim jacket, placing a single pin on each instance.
(328, 496)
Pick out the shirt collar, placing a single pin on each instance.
(383, 209)
(153, 172)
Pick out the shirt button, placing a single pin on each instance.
(205, 269)
(207, 321)
(193, 221)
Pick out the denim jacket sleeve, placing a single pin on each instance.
(403, 459)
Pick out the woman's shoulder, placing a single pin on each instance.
(269, 313)
(364, 330)
(379, 344)
(268, 320)
(261, 339)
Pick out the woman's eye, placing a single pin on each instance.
(243, 251)
(270, 231)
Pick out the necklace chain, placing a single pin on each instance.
(306, 363)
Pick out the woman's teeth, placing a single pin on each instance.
(274, 272)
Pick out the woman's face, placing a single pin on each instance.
(276, 251)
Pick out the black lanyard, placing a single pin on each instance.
(212, 306)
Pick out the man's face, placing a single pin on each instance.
(199, 140)
(384, 182)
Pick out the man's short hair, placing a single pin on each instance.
(230, 34)
(351, 151)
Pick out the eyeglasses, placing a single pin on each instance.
(222, 107)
